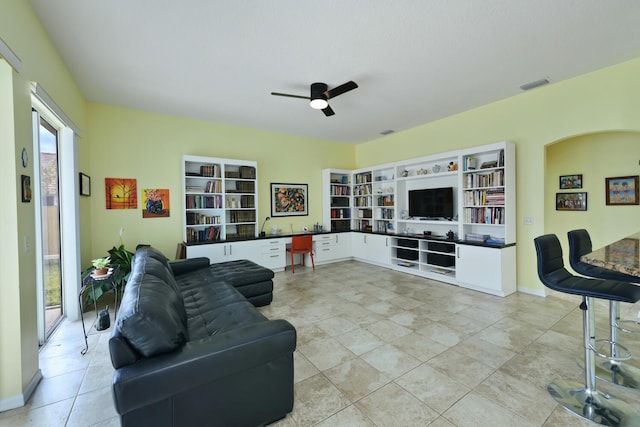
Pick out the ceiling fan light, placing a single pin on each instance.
(319, 104)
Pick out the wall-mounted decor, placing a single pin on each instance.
(85, 185)
(155, 202)
(121, 193)
(26, 188)
(571, 201)
(289, 200)
(568, 182)
(622, 190)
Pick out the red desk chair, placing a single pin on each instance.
(301, 245)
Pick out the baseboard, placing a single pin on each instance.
(536, 292)
(18, 401)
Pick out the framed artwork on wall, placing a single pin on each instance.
(289, 200)
(121, 193)
(568, 182)
(571, 201)
(26, 188)
(621, 190)
(85, 185)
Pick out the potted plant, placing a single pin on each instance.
(101, 265)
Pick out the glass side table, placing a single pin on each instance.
(89, 282)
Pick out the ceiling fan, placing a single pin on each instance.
(320, 94)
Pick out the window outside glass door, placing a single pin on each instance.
(50, 217)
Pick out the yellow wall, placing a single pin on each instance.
(149, 147)
(595, 156)
(126, 143)
(604, 100)
(22, 32)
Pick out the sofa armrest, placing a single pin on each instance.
(183, 266)
(201, 362)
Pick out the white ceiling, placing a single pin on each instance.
(415, 61)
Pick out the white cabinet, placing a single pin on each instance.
(228, 251)
(219, 199)
(273, 253)
(332, 247)
(491, 270)
(425, 257)
(371, 248)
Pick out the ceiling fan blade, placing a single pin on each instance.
(339, 90)
(328, 111)
(289, 95)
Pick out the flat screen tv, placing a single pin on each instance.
(431, 203)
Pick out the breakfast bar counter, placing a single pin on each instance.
(622, 256)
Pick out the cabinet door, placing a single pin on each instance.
(491, 270)
(372, 248)
(343, 245)
(244, 250)
(215, 252)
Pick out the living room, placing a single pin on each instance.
(585, 125)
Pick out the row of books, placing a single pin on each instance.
(243, 172)
(385, 200)
(204, 235)
(484, 197)
(203, 202)
(241, 187)
(242, 216)
(210, 171)
(340, 190)
(242, 232)
(363, 178)
(362, 202)
(385, 213)
(340, 213)
(490, 179)
(194, 218)
(362, 190)
(488, 215)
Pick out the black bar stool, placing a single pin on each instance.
(611, 370)
(585, 400)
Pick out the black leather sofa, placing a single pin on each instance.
(190, 350)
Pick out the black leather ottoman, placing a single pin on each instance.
(253, 281)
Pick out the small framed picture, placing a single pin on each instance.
(26, 188)
(289, 200)
(85, 185)
(571, 201)
(621, 190)
(568, 182)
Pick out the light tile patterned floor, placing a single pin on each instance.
(376, 348)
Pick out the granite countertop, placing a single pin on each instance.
(622, 256)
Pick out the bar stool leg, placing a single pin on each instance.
(616, 371)
(585, 400)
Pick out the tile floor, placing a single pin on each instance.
(375, 348)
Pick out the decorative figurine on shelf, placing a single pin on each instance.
(450, 235)
(452, 166)
(435, 168)
(405, 173)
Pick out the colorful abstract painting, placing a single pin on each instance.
(155, 202)
(289, 199)
(121, 193)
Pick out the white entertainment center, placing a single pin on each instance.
(474, 247)
(366, 217)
